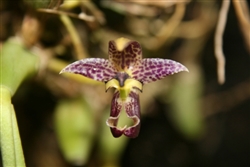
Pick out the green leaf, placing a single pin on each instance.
(75, 129)
(16, 63)
(185, 104)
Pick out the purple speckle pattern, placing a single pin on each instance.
(116, 107)
(121, 65)
(94, 68)
(153, 69)
(132, 108)
(130, 57)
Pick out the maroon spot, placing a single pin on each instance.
(129, 49)
(99, 76)
(158, 76)
(128, 62)
(160, 65)
(106, 75)
(135, 72)
(148, 73)
(135, 44)
(159, 70)
(127, 55)
(109, 70)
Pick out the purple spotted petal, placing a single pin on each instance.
(132, 107)
(94, 68)
(116, 107)
(128, 58)
(154, 69)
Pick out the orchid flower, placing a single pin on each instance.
(127, 72)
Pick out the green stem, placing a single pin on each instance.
(17, 141)
(80, 50)
(16, 63)
(11, 147)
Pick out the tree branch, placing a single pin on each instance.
(218, 41)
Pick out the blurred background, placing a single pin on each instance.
(188, 119)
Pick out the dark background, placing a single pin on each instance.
(225, 142)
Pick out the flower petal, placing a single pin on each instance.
(116, 107)
(125, 54)
(154, 69)
(94, 68)
(132, 107)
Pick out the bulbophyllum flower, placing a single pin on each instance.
(127, 72)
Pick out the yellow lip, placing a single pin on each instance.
(129, 84)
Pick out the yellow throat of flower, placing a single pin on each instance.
(129, 84)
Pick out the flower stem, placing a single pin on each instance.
(16, 64)
(10, 143)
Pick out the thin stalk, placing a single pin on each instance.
(80, 50)
(218, 41)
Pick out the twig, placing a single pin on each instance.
(80, 51)
(162, 4)
(218, 43)
(243, 17)
(97, 13)
(81, 16)
(203, 24)
(167, 29)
